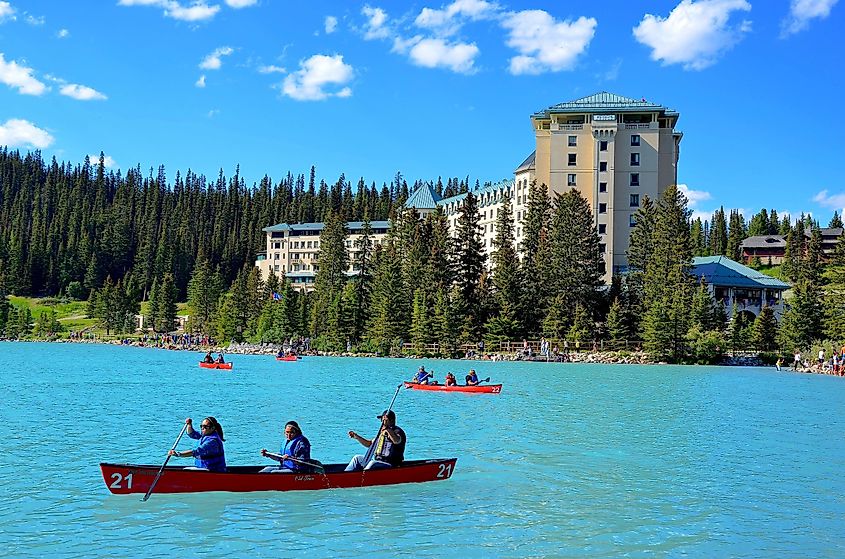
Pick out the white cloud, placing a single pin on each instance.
(315, 75)
(271, 69)
(197, 11)
(832, 201)
(21, 133)
(545, 44)
(63, 34)
(331, 24)
(201, 81)
(238, 4)
(437, 53)
(376, 27)
(81, 92)
(694, 196)
(35, 20)
(802, 11)
(6, 12)
(449, 20)
(213, 61)
(108, 160)
(213, 113)
(694, 34)
(20, 77)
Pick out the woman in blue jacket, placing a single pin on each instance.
(209, 454)
(295, 454)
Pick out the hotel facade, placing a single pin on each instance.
(613, 150)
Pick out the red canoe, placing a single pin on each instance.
(288, 358)
(205, 365)
(132, 478)
(480, 388)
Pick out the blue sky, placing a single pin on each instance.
(429, 89)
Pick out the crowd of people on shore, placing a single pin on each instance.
(833, 365)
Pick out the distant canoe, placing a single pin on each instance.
(205, 365)
(288, 358)
(478, 389)
(132, 478)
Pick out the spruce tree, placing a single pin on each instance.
(506, 279)
(735, 237)
(833, 302)
(388, 320)
(534, 258)
(420, 322)
(765, 329)
(719, 233)
(575, 262)
(667, 283)
(468, 259)
(331, 276)
(640, 253)
(204, 291)
(835, 221)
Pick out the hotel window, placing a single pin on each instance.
(603, 166)
(602, 187)
(635, 200)
(572, 159)
(276, 267)
(276, 256)
(602, 208)
(635, 139)
(519, 199)
(570, 179)
(635, 179)
(635, 159)
(603, 145)
(632, 220)
(602, 228)
(573, 141)
(277, 245)
(602, 248)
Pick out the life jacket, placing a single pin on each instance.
(300, 448)
(387, 451)
(472, 378)
(209, 454)
(422, 376)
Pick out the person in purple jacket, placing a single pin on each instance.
(209, 454)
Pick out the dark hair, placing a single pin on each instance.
(295, 425)
(217, 427)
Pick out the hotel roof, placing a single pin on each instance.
(604, 102)
(423, 198)
(724, 272)
(527, 164)
(352, 225)
(503, 184)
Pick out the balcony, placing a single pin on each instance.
(260, 256)
(639, 126)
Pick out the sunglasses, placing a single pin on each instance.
(205, 426)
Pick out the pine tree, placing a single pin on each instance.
(331, 276)
(735, 237)
(640, 253)
(204, 292)
(617, 329)
(575, 262)
(833, 294)
(719, 233)
(165, 317)
(759, 224)
(534, 262)
(835, 221)
(507, 283)
(420, 322)
(697, 238)
(388, 320)
(667, 284)
(765, 329)
(469, 259)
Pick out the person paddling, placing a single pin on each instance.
(220, 358)
(208, 358)
(389, 444)
(450, 379)
(294, 454)
(472, 378)
(209, 455)
(422, 376)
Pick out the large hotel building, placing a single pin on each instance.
(612, 149)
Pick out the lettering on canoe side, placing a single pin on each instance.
(303, 478)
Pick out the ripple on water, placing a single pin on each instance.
(569, 461)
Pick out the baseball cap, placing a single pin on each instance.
(389, 413)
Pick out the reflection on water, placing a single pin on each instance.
(570, 460)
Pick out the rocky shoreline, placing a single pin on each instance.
(604, 358)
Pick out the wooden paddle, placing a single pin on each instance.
(278, 458)
(166, 460)
(372, 448)
(483, 380)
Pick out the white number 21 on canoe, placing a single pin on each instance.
(118, 480)
(444, 470)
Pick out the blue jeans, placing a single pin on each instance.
(357, 463)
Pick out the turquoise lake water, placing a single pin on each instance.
(569, 461)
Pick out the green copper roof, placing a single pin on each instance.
(423, 198)
(604, 102)
(528, 163)
(721, 271)
(505, 184)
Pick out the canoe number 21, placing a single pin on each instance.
(444, 471)
(118, 479)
